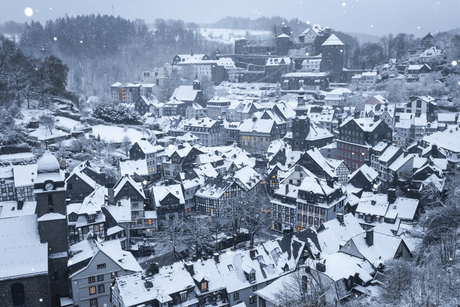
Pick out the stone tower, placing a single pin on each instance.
(300, 130)
(332, 57)
(50, 193)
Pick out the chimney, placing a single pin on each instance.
(191, 52)
(20, 204)
(216, 257)
(189, 268)
(252, 253)
(376, 118)
(339, 217)
(370, 237)
(320, 267)
(391, 195)
(154, 268)
(434, 151)
(330, 182)
(301, 100)
(111, 196)
(357, 115)
(287, 188)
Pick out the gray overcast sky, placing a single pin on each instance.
(363, 16)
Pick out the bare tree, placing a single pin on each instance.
(171, 238)
(126, 144)
(48, 121)
(249, 211)
(302, 289)
(197, 233)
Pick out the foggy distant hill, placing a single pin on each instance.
(364, 38)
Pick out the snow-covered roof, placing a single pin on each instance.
(52, 216)
(333, 41)
(159, 193)
(341, 265)
(206, 170)
(126, 179)
(317, 132)
(367, 124)
(373, 204)
(336, 232)
(380, 146)
(383, 249)
(367, 171)
(93, 202)
(446, 117)
(121, 211)
(404, 207)
(316, 185)
(48, 163)
(185, 93)
(213, 188)
(170, 279)
(112, 249)
(24, 175)
(431, 52)
(148, 148)
(121, 257)
(129, 167)
(305, 74)
(400, 161)
(389, 153)
(10, 209)
(278, 61)
(248, 177)
(21, 253)
(78, 171)
(269, 262)
(114, 229)
(447, 139)
(258, 126)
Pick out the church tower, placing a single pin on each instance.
(50, 194)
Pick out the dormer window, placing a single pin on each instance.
(183, 296)
(252, 277)
(204, 285)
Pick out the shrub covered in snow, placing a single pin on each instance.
(117, 114)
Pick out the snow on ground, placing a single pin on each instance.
(42, 133)
(116, 134)
(28, 114)
(68, 123)
(227, 36)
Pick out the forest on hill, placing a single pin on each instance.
(101, 50)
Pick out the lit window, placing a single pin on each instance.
(204, 285)
(92, 290)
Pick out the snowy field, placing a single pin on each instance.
(227, 36)
(116, 134)
(43, 133)
(67, 123)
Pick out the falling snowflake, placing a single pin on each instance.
(29, 12)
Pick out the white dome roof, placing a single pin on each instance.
(48, 163)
